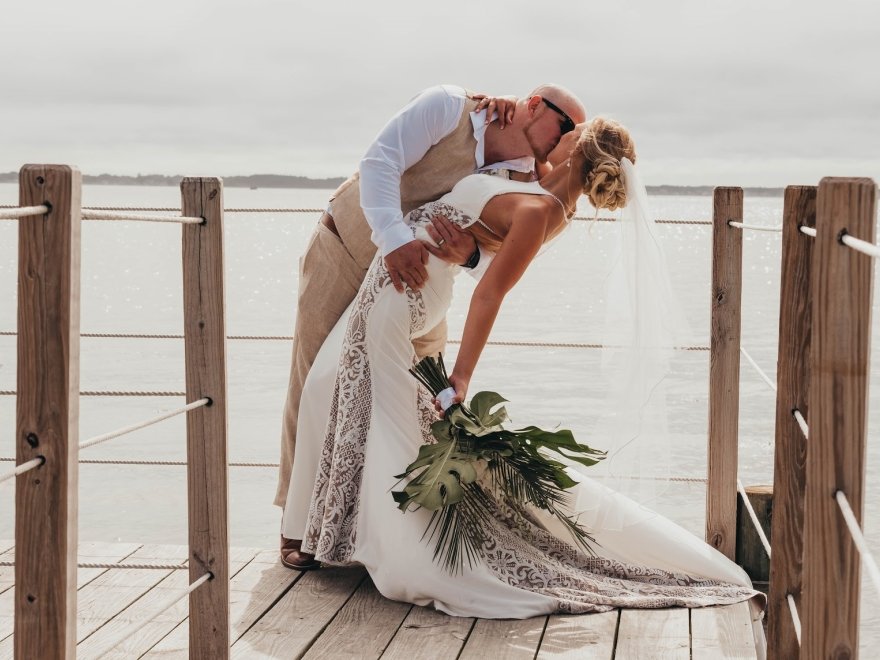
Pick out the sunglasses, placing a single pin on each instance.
(568, 123)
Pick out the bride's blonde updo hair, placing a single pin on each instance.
(604, 143)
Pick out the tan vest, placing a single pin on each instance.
(444, 165)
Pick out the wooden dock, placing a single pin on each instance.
(337, 613)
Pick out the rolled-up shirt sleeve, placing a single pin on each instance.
(405, 139)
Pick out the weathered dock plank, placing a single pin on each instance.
(252, 590)
(665, 634)
(580, 637)
(504, 639)
(114, 640)
(7, 573)
(722, 632)
(117, 589)
(363, 628)
(427, 634)
(88, 553)
(299, 617)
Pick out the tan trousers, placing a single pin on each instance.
(329, 278)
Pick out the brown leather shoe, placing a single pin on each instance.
(293, 557)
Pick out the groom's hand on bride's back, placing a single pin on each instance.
(406, 266)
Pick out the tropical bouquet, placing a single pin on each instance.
(475, 459)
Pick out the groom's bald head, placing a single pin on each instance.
(563, 99)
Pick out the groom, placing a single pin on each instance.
(425, 149)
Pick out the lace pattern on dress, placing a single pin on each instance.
(332, 521)
(522, 553)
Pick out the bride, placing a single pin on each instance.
(363, 418)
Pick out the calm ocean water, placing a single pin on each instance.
(131, 282)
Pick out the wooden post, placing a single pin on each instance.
(206, 427)
(839, 360)
(793, 386)
(47, 413)
(724, 371)
(750, 552)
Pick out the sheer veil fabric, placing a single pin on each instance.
(644, 325)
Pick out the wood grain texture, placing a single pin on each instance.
(750, 552)
(205, 349)
(656, 634)
(839, 360)
(362, 629)
(793, 386)
(579, 637)
(47, 413)
(722, 632)
(724, 371)
(88, 552)
(302, 614)
(113, 639)
(253, 592)
(427, 634)
(504, 639)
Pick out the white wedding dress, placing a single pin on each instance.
(362, 420)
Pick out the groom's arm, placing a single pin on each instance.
(404, 141)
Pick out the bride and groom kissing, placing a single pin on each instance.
(458, 182)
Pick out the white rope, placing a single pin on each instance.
(795, 619)
(745, 498)
(134, 427)
(859, 245)
(758, 369)
(858, 537)
(131, 632)
(124, 461)
(809, 231)
(24, 467)
(23, 212)
(89, 214)
(163, 567)
(740, 225)
(802, 423)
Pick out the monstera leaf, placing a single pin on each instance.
(446, 471)
(518, 464)
(482, 405)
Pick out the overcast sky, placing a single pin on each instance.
(735, 93)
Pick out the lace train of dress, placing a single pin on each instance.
(362, 420)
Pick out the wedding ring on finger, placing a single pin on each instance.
(441, 242)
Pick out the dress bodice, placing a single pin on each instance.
(465, 202)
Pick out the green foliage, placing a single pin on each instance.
(444, 478)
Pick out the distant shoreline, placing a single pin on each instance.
(286, 181)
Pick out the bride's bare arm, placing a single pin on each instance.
(524, 238)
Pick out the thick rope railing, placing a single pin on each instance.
(253, 464)
(89, 214)
(859, 245)
(858, 537)
(498, 342)
(795, 617)
(24, 467)
(809, 231)
(115, 565)
(742, 225)
(98, 439)
(802, 423)
(111, 393)
(754, 516)
(16, 212)
(758, 369)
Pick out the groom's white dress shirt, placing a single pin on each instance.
(422, 123)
